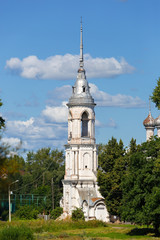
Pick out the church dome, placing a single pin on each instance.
(81, 91)
(157, 121)
(149, 121)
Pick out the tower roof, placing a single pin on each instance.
(149, 121)
(81, 90)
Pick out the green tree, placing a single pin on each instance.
(2, 121)
(141, 186)
(43, 174)
(3, 149)
(112, 164)
(10, 171)
(133, 146)
(10, 163)
(156, 95)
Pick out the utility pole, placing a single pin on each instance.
(52, 187)
(88, 204)
(9, 199)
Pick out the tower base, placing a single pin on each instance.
(83, 194)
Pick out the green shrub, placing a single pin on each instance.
(77, 214)
(56, 212)
(27, 212)
(16, 233)
(4, 215)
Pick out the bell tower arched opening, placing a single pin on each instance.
(84, 125)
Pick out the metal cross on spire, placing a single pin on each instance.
(81, 63)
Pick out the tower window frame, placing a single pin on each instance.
(85, 124)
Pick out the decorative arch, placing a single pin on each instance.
(100, 203)
(84, 125)
(85, 208)
(84, 203)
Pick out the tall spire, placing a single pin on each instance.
(150, 104)
(81, 63)
(81, 91)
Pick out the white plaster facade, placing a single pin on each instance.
(80, 189)
(149, 133)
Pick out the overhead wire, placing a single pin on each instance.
(34, 180)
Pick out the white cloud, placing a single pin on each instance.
(56, 114)
(31, 128)
(36, 133)
(62, 93)
(59, 94)
(65, 67)
(120, 100)
(12, 141)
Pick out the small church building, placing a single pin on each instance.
(80, 188)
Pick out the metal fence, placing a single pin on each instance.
(21, 200)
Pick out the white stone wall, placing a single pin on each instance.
(149, 133)
(158, 131)
(81, 162)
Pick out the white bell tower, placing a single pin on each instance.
(80, 189)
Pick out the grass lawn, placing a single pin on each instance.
(92, 230)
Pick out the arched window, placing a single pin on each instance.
(85, 124)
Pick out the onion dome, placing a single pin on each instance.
(157, 121)
(149, 121)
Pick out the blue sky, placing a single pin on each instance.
(39, 48)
